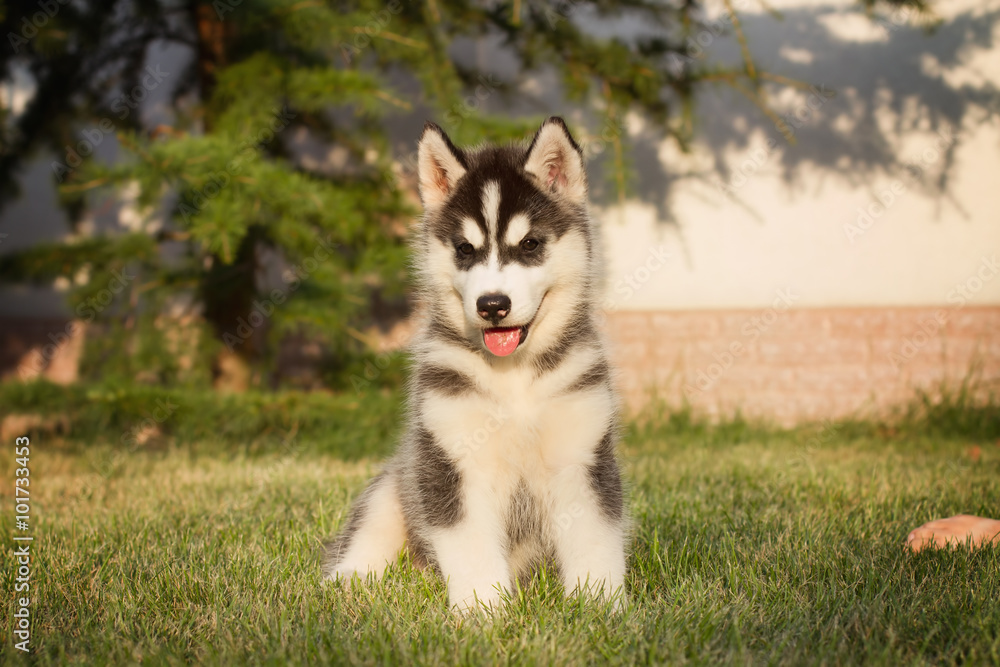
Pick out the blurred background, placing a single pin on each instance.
(208, 200)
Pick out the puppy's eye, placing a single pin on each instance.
(529, 244)
(466, 249)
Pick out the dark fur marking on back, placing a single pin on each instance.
(597, 374)
(605, 478)
(439, 482)
(336, 548)
(444, 380)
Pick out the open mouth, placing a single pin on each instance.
(502, 341)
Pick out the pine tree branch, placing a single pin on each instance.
(387, 34)
(742, 39)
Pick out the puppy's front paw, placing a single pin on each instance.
(602, 592)
(336, 575)
(474, 601)
(955, 531)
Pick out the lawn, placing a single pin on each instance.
(750, 545)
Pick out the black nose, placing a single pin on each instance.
(493, 306)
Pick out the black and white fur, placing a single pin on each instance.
(508, 462)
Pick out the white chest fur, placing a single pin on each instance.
(516, 426)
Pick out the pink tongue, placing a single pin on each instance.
(502, 342)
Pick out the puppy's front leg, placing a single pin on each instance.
(589, 525)
(471, 552)
(459, 517)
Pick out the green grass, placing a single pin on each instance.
(750, 545)
(250, 423)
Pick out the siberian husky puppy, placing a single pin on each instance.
(508, 459)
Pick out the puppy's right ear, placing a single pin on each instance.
(439, 166)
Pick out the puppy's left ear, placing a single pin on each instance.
(556, 161)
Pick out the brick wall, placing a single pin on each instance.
(802, 364)
(40, 347)
(786, 365)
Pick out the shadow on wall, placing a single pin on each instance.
(897, 73)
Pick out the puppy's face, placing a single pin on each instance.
(505, 230)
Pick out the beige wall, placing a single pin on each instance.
(793, 217)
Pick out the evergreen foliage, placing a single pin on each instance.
(265, 77)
